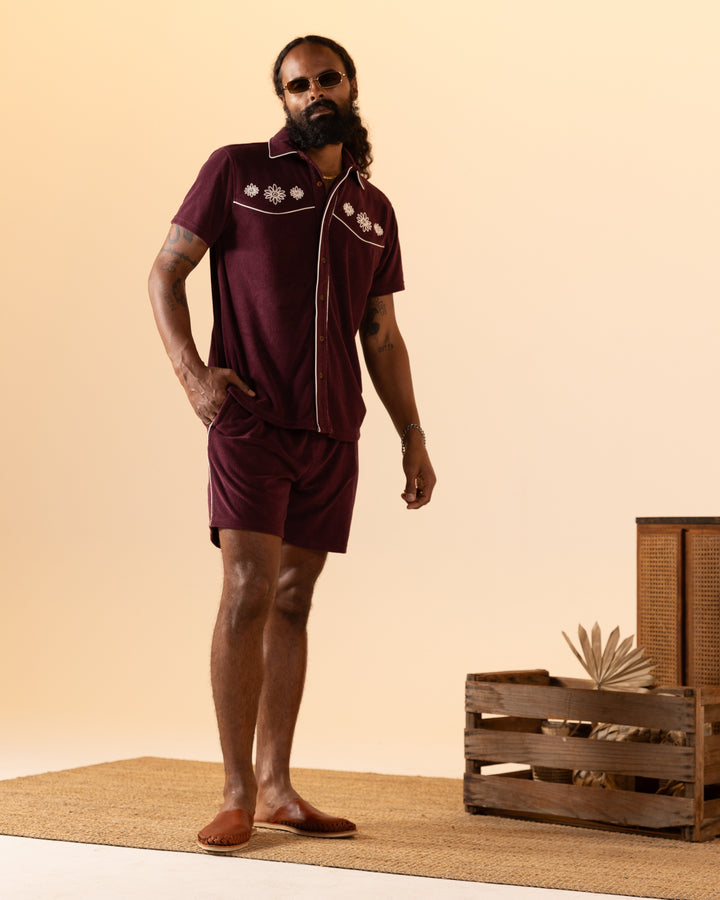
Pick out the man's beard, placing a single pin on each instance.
(306, 133)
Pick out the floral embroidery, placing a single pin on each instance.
(348, 209)
(297, 193)
(275, 194)
(363, 221)
(378, 229)
(252, 190)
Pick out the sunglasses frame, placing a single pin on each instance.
(317, 81)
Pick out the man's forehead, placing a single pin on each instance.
(309, 59)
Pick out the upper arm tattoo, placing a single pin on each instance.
(174, 258)
(375, 307)
(175, 233)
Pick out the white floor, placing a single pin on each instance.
(55, 870)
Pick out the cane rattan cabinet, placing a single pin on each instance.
(678, 598)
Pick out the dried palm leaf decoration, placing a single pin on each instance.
(616, 668)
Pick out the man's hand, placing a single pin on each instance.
(207, 390)
(419, 474)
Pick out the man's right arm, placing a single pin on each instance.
(205, 386)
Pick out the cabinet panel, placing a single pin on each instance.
(660, 600)
(678, 598)
(702, 638)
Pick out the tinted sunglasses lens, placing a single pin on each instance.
(298, 85)
(329, 79)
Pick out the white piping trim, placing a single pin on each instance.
(210, 480)
(287, 153)
(328, 204)
(269, 212)
(327, 308)
(372, 243)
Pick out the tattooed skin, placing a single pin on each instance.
(175, 256)
(169, 266)
(176, 297)
(175, 233)
(370, 327)
(385, 347)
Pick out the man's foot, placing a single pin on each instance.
(229, 830)
(299, 817)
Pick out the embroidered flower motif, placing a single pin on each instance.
(364, 221)
(378, 229)
(252, 190)
(348, 210)
(275, 194)
(297, 193)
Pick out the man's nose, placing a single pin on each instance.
(315, 89)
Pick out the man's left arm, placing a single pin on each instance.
(388, 363)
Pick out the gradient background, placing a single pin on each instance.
(554, 168)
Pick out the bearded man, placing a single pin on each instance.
(304, 253)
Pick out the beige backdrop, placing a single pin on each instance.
(554, 167)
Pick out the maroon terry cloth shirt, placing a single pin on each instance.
(292, 269)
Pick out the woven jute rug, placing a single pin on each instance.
(407, 825)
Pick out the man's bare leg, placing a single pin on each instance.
(251, 563)
(285, 653)
(285, 663)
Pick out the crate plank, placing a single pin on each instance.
(663, 761)
(646, 710)
(521, 676)
(712, 759)
(578, 803)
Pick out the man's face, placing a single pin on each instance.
(317, 116)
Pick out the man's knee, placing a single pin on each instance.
(247, 595)
(250, 572)
(293, 602)
(296, 584)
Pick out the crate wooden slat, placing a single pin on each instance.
(645, 760)
(501, 794)
(504, 712)
(586, 704)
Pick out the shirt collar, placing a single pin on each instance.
(279, 145)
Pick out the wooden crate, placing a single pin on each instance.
(504, 712)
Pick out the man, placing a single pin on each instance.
(303, 253)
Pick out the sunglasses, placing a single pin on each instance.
(329, 79)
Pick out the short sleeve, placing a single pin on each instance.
(388, 278)
(206, 208)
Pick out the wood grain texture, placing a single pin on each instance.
(651, 710)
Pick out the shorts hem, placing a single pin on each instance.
(319, 546)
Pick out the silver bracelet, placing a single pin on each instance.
(405, 434)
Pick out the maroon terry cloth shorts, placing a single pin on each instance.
(299, 485)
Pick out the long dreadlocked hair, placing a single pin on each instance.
(358, 144)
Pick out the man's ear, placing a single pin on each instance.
(353, 89)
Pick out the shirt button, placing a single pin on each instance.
(319, 183)
(322, 338)
(323, 260)
(321, 376)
